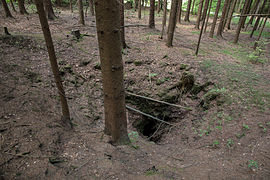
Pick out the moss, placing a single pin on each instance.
(183, 66)
(138, 63)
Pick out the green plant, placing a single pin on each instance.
(245, 127)
(133, 136)
(262, 126)
(215, 143)
(230, 143)
(253, 164)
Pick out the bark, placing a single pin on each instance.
(221, 23)
(239, 6)
(122, 23)
(179, 11)
(203, 22)
(49, 9)
(58, 2)
(152, 14)
(91, 4)
(172, 22)
(208, 15)
(241, 21)
(158, 7)
(253, 11)
(12, 5)
(80, 4)
(6, 9)
(188, 11)
(258, 18)
(164, 18)
(227, 14)
(53, 61)
(230, 15)
(70, 6)
(247, 12)
(197, 26)
(140, 9)
(193, 5)
(211, 34)
(107, 22)
(21, 7)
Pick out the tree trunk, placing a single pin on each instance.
(193, 5)
(253, 11)
(53, 61)
(49, 9)
(158, 7)
(179, 11)
(241, 21)
(122, 23)
(152, 14)
(197, 26)
(164, 18)
(91, 4)
(12, 5)
(188, 11)
(208, 15)
(258, 19)
(21, 7)
(7, 11)
(140, 9)
(203, 22)
(239, 6)
(229, 6)
(228, 24)
(70, 6)
(107, 22)
(215, 19)
(220, 26)
(136, 4)
(247, 12)
(58, 2)
(172, 22)
(80, 4)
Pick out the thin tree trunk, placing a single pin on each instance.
(164, 18)
(21, 7)
(53, 61)
(247, 12)
(188, 11)
(229, 6)
(91, 4)
(49, 9)
(197, 26)
(239, 6)
(81, 21)
(12, 5)
(172, 22)
(220, 26)
(107, 22)
(211, 34)
(136, 4)
(70, 6)
(203, 22)
(209, 10)
(179, 11)
(241, 21)
(193, 5)
(6, 9)
(228, 24)
(253, 11)
(140, 9)
(152, 14)
(158, 7)
(122, 23)
(258, 19)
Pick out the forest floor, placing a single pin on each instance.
(226, 135)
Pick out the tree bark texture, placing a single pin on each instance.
(172, 22)
(21, 7)
(164, 18)
(107, 22)
(53, 61)
(203, 22)
(70, 6)
(81, 21)
(197, 26)
(152, 14)
(211, 34)
(209, 10)
(193, 5)
(179, 11)
(222, 18)
(258, 18)
(49, 9)
(6, 9)
(91, 4)
(240, 23)
(230, 15)
(227, 14)
(122, 23)
(188, 11)
(140, 9)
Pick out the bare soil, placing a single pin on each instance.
(226, 135)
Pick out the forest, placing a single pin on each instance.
(135, 89)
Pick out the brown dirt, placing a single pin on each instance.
(219, 141)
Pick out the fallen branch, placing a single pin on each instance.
(148, 115)
(162, 102)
